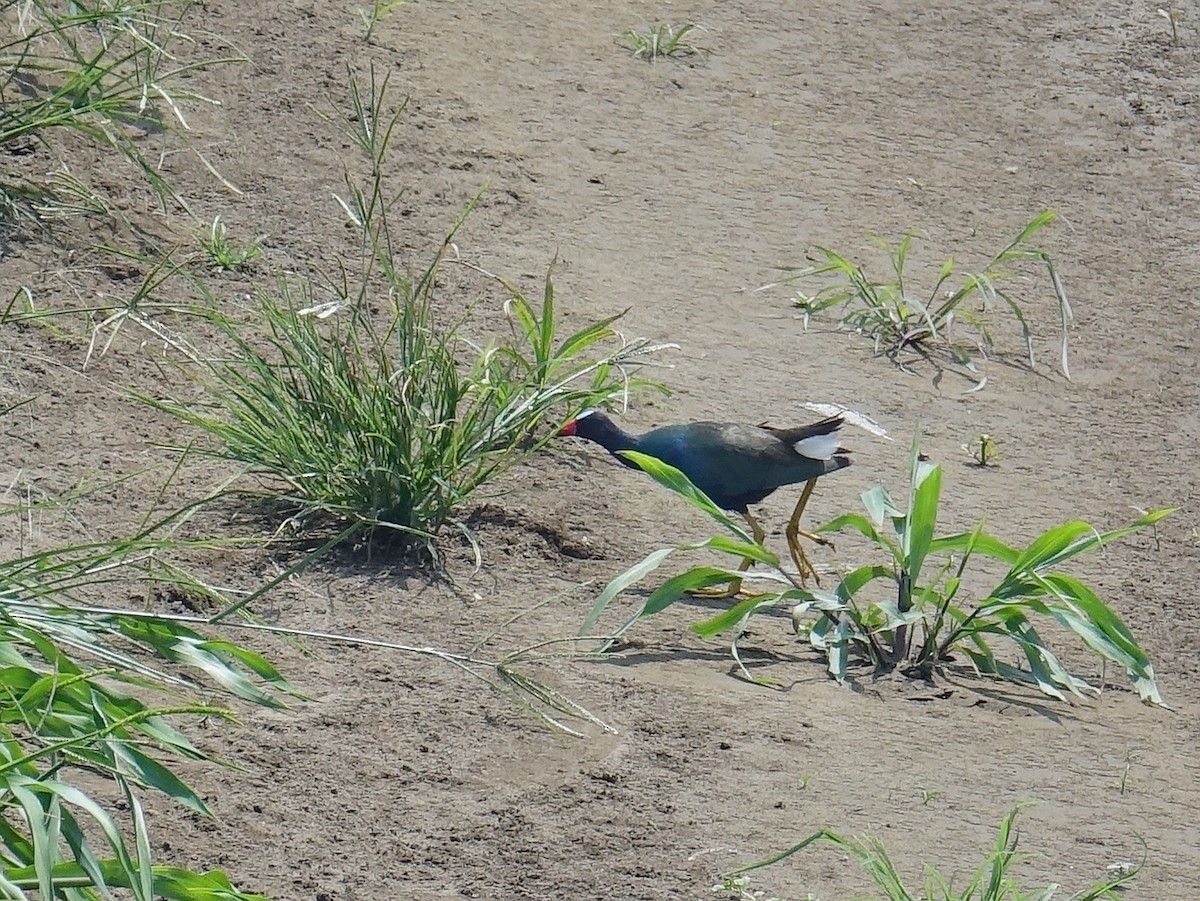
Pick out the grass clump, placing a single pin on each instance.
(947, 325)
(993, 879)
(929, 623)
(658, 41)
(383, 423)
(363, 404)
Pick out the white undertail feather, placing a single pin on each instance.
(818, 447)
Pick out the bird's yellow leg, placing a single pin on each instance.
(794, 533)
(756, 530)
(734, 588)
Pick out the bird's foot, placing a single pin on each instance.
(732, 590)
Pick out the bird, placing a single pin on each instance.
(735, 465)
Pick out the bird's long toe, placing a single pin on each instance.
(804, 566)
(822, 540)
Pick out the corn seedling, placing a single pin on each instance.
(107, 72)
(946, 325)
(983, 450)
(223, 254)
(372, 16)
(925, 625)
(658, 41)
(363, 407)
(993, 880)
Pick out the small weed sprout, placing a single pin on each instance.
(378, 10)
(225, 255)
(659, 40)
(983, 450)
(1174, 17)
(1130, 755)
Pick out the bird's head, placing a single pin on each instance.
(572, 428)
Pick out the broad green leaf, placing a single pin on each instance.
(725, 545)
(195, 654)
(631, 576)
(1103, 631)
(1048, 673)
(982, 542)
(256, 663)
(892, 616)
(171, 883)
(546, 344)
(922, 518)
(1094, 539)
(862, 525)
(38, 823)
(880, 506)
(672, 478)
(837, 649)
(145, 770)
(735, 615)
(818, 632)
(1036, 224)
(1048, 546)
(854, 581)
(145, 886)
(585, 337)
(678, 586)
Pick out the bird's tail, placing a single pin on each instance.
(819, 441)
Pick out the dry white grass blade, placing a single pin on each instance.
(852, 417)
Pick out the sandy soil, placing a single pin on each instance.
(675, 189)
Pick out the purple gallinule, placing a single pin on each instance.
(735, 465)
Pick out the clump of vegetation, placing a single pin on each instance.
(945, 325)
(365, 406)
(660, 40)
(107, 72)
(928, 624)
(993, 879)
(221, 253)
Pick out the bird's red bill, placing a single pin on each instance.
(569, 429)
